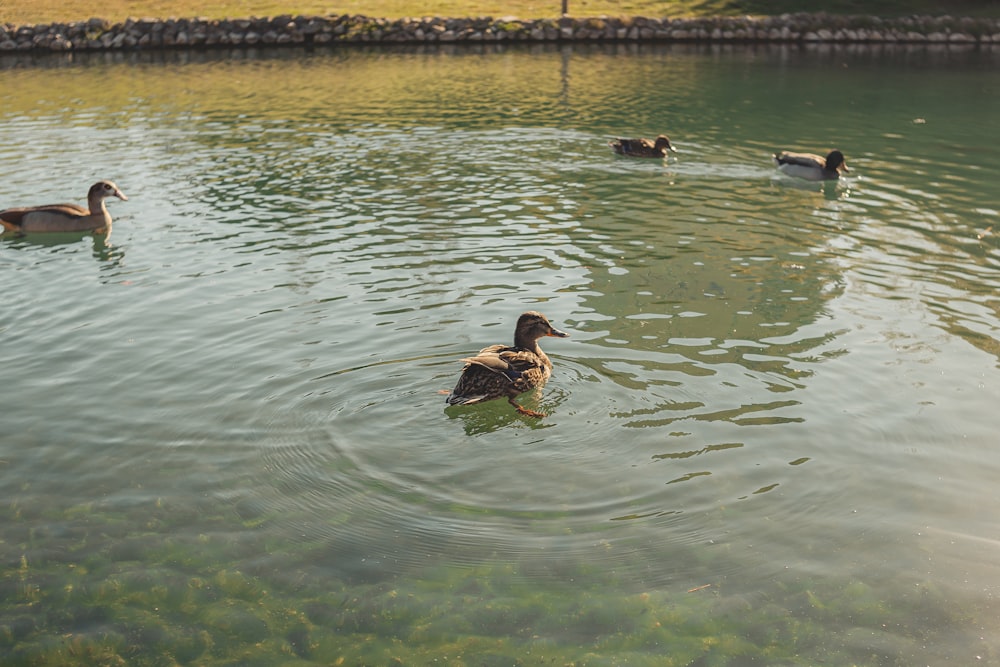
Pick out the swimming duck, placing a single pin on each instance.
(65, 217)
(643, 147)
(502, 370)
(811, 167)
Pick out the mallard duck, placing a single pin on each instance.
(503, 370)
(65, 217)
(643, 147)
(811, 167)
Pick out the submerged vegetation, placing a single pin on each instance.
(86, 593)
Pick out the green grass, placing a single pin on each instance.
(21, 12)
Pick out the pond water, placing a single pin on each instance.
(771, 436)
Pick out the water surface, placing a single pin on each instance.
(771, 437)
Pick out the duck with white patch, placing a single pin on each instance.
(811, 167)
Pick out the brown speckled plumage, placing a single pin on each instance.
(500, 371)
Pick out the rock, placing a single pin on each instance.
(151, 33)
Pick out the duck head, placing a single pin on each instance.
(662, 143)
(835, 161)
(104, 189)
(531, 326)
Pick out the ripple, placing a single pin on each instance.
(757, 366)
(484, 487)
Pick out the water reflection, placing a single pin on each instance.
(772, 388)
(832, 190)
(500, 415)
(103, 250)
(946, 54)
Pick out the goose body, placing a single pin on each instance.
(65, 217)
(811, 167)
(504, 371)
(643, 147)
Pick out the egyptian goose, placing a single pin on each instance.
(65, 217)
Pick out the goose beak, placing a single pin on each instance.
(121, 195)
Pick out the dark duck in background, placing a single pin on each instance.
(643, 147)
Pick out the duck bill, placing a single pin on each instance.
(555, 333)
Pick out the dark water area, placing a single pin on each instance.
(770, 436)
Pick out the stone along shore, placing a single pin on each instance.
(136, 34)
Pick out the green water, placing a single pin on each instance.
(771, 437)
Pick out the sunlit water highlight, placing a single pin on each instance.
(784, 391)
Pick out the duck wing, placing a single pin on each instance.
(800, 160)
(16, 217)
(497, 371)
(633, 146)
(13, 217)
(510, 362)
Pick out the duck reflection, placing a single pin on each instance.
(831, 190)
(102, 249)
(495, 416)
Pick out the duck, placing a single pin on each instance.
(643, 147)
(500, 370)
(811, 167)
(65, 217)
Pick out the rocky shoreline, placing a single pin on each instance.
(142, 34)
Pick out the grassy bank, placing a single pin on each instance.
(23, 12)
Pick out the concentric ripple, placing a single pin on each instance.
(761, 374)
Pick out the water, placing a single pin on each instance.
(771, 438)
